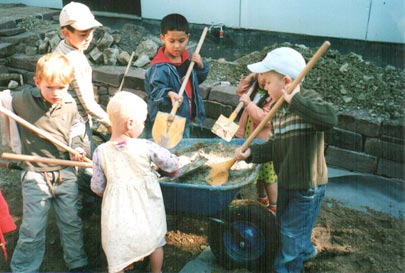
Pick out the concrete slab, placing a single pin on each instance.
(12, 13)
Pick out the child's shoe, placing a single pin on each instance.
(263, 200)
(272, 208)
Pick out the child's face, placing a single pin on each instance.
(79, 39)
(52, 92)
(273, 83)
(175, 43)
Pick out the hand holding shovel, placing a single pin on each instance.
(220, 171)
(224, 127)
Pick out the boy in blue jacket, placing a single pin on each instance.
(165, 75)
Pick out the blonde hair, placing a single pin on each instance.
(54, 68)
(125, 105)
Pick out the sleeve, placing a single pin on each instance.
(157, 84)
(256, 113)
(163, 159)
(98, 180)
(245, 83)
(77, 130)
(261, 153)
(202, 74)
(311, 108)
(83, 88)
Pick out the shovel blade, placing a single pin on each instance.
(224, 128)
(168, 133)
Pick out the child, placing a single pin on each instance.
(44, 185)
(297, 149)
(77, 23)
(7, 224)
(257, 105)
(133, 219)
(164, 77)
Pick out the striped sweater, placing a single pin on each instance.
(297, 143)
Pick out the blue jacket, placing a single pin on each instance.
(163, 77)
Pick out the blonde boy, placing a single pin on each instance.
(53, 110)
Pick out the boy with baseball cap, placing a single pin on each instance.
(77, 24)
(297, 149)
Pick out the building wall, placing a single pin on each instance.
(369, 20)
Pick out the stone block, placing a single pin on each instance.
(225, 94)
(25, 37)
(214, 109)
(25, 62)
(135, 79)
(11, 31)
(359, 125)
(394, 128)
(108, 74)
(205, 90)
(344, 139)
(391, 169)
(6, 49)
(350, 160)
(385, 149)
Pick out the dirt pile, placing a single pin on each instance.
(349, 82)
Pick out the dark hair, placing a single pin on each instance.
(174, 21)
(70, 28)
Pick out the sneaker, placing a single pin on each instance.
(272, 209)
(311, 255)
(263, 200)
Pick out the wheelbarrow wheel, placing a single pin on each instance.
(245, 237)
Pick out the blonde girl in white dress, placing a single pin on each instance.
(133, 219)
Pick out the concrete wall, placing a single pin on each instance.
(369, 20)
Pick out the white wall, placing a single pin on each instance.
(37, 3)
(371, 20)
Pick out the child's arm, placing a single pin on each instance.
(98, 179)
(163, 158)
(245, 83)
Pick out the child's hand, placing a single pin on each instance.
(239, 155)
(245, 99)
(288, 97)
(174, 97)
(79, 156)
(198, 60)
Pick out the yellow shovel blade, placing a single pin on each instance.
(168, 133)
(225, 128)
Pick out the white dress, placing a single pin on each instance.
(133, 219)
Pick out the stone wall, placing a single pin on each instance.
(355, 144)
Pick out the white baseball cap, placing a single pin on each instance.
(78, 16)
(283, 60)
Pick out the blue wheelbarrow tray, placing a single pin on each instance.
(203, 200)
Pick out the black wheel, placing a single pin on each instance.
(245, 237)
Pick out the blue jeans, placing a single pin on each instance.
(297, 211)
(37, 200)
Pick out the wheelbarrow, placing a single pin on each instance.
(241, 232)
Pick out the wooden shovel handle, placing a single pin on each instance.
(40, 132)
(188, 73)
(235, 113)
(61, 162)
(280, 101)
(126, 71)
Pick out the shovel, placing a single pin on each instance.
(167, 130)
(224, 127)
(126, 71)
(41, 132)
(60, 162)
(220, 171)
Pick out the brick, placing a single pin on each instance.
(225, 94)
(384, 149)
(350, 160)
(108, 74)
(214, 109)
(344, 139)
(391, 169)
(359, 125)
(6, 49)
(135, 79)
(23, 61)
(394, 128)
